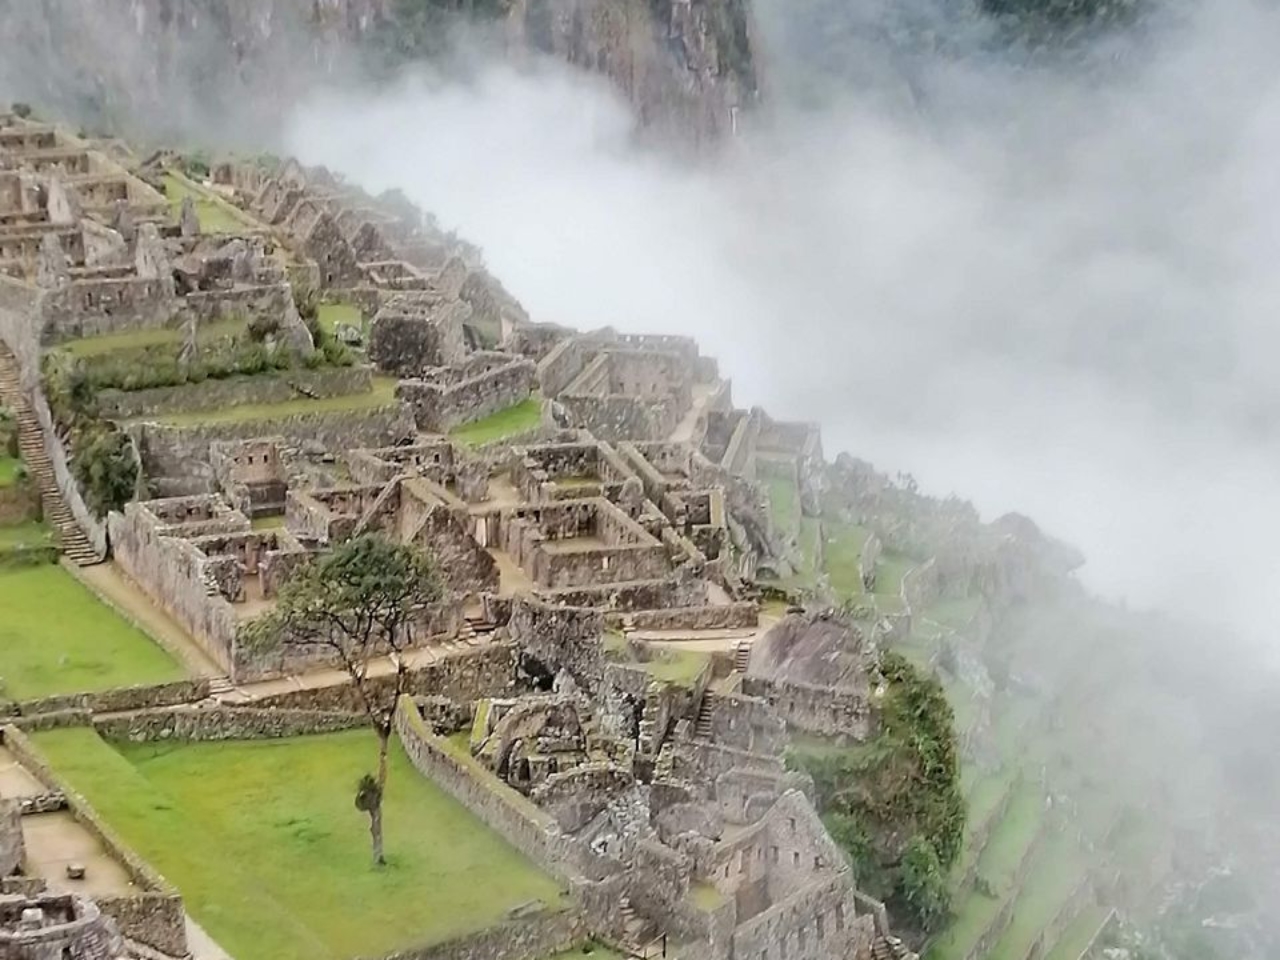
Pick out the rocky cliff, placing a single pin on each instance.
(231, 65)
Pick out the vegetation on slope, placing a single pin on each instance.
(894, 803)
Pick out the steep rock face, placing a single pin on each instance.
(685, 65)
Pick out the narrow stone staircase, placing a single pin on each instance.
(221, 686)
(702, 728)
(742, 656)
(890, 948)
(71, 539)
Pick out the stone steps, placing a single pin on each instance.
(742, 656)
(702, 728)
(67, 532)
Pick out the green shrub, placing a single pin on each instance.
(923, 885)
(105, 468)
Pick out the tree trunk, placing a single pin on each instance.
(375, 834)
(375, 815)
(384, 744)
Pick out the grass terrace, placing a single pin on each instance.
(19, 536)
(107, 343)
(263, 841)
(997, 867)
(891, 568)
(56, 637)
(843, 553)
(516, 419)
(215, 214)
(382, 395)
(681, 667)
(1079, 934)
(1058, 870)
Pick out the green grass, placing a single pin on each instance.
(10, 470)
(31, 533)
(891, 568)
(997, 865)
(519, 418)
(784, 502)
(1057, 871)
(215, 214)
(843, 553)
(331, 315)
(150, 337)
(681, 667)
(272, 522)
(57, 637)
(1079, 934)
(382, 394)
(954, 613)
(271, 857)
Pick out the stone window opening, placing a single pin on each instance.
(795, 858)
(774, 854)
(822, 933)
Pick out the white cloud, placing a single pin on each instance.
(1050, 293)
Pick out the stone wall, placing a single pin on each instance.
(91, 308)
(170, 570)
(154, 915)
(719, 617)
(560, 638)
(465, 676)
(818, 922)
(223, 723)
(827, 711)
(183, 451)
(440, 406)
(619, 417)
(235, 392)
(745, 723)
(120, 698)
(545, 934)
(11, 846)
(513, 816)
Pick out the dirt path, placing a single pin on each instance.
(115, 589)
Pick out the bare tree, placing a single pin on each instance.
(361, 602)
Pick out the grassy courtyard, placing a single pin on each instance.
(272, 858)
(57, 637)
(521, 417)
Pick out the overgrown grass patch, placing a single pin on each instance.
(272, 858)
(518, 418)
(11, 470)
(681, 667)
(382, 395)
(57, 637)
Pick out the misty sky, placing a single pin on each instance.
(1046, 292)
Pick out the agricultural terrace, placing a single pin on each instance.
(58, 638)
(516, 419)
(262, 839)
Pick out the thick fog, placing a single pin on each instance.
(1048, 288)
